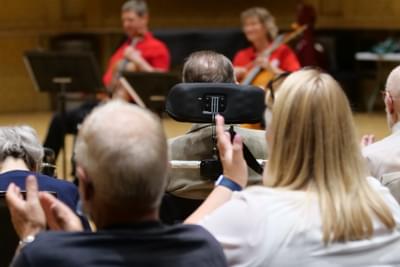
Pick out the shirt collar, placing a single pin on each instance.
(146, 36)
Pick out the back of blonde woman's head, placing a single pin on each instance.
(314, 147)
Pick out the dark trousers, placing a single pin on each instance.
(59, 127)
(176, 209)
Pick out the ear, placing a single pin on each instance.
(85, 184)
(389, 105)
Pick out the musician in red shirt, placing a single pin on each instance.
(260, 30)
(141, 52)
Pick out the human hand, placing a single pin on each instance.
(367, 140)
(240, 72)
(59, 216)
(133, 55)
(231, 154)
(27, 215)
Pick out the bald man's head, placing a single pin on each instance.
(392, 97)
(393, 82)
(123, 150)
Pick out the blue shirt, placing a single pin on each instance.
(66, 192)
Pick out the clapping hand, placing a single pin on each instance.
(367, 140)
(27, 214)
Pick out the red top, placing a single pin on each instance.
(153, 51)
(283, 57)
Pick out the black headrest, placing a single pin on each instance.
(194, 102)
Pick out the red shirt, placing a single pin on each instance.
(283, 57)
(153, 51)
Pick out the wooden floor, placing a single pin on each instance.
(371, 123)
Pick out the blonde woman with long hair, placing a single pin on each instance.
(318, 207)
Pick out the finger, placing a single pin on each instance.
(222, 136)
(371, 139)
(60, 216)
(237, 148)
(47, 201)
(31, 188)
(14, 198)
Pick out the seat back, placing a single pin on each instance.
(199, 102)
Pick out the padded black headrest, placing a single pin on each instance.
(193, 102)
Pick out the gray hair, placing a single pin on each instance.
(123, 150)
(137, 6)
(208, 66)
(21, 142)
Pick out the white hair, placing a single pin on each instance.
(21, 142)
(123, 150)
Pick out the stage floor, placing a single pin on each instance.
(367, 123)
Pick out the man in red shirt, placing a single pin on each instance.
(140, 52)
(260, 30)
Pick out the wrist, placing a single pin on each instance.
(228, 183)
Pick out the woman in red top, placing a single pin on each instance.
(260, 30)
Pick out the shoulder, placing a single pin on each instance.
(156, 43)
(198, 238)
(283, 48)
(384, 145)
(57, 183)
(37, 252)
(243, 56)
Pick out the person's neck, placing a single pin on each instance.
(261, 44)
(12, 164)
(109, 217)
(140, 33)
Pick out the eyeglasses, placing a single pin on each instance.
(272, 84)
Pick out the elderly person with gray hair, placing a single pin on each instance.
(21, 155)
(187, 189)
(383, 157)
(122, 172)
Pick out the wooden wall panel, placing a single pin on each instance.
(16, 89)
(24, 24)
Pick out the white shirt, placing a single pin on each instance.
(263, 226)
(383, 157)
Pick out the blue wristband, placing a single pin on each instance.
(228, 183)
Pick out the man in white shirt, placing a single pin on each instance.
(384, 156)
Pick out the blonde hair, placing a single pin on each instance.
(265, 18)
(314, 148)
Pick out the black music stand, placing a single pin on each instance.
(63, 72)
(152, 87)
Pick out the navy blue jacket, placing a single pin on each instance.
(146, 244)
(66, 192)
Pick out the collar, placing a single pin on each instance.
(137, 225)
(396, 127)
(146, 36)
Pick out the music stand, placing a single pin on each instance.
(152, 87)
(62, 72)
